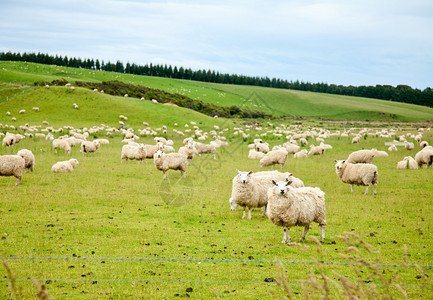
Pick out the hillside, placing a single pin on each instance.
(278, 102)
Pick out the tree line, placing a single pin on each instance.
(400, 93)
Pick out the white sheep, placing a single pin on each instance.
(355, 140)
(89, 147)
(171, 161)
(359, 174)
(150, 150)
(62, 144)
(392, 148)
(291, 148)
(424, 157)
(423, 144)
(262, 147)
(103, 141)
(29, 158)
(409, 146)
(253, 154)
(274, 157)
(133, 152)
(301, 154)
(75, 106)
(64, 166)
(11, 139)
(188, 150)
(249, 190)
(205, 148)
(407, 163)
(23, 111)
(12, 165)
(289, 207)
(35, 108)
(316, 150)
(361, 156)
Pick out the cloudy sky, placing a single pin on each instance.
(356, 42)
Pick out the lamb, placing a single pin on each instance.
(64, 166)
(407, 163)
(133, 152)
(249, 189)
(392, 148)
(253, 154)
(359, 174)
(171, 161)
(29, 158)
(89, 147)
(12, 165)
(424, 157)
(409, 146)
(301, 154)
(316, 150)
(62, 144)
(205, 148)
(274, 157)
(289, 207)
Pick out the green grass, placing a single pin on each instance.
(279, 102)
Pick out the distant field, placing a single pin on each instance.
(279, 102)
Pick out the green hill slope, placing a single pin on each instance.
(277, 102)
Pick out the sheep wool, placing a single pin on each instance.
(205, 148)
(29, 159)
(274, 157)
(89, 147)
(301, 154)
(170, 161)
(64, 166)
(253, 154)
(289, 207)
(62, 144)
(133, 152)
(12, 165)
(359, 174)
(316, 150)
(407, 163)
(425, 157)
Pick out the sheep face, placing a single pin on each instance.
(158, 154)
(339, 164)
(281, 187)
(233, 205)
(244, 176)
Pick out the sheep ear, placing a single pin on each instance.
(289, 182)
(273, 182)
(335, 160)
(239, 172)
(344, 161)
(250, 172)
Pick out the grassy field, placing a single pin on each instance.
(278, 102)
(121, 231)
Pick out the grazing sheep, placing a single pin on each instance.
(64, 166)
(361, 156)
(89, 147)
(205, 148)
(359, 174)
(424, 157)
(29, 158)
(253, 154)
(316, 150)
(35, 108)
(289, 207)
(262, 147)
(409, 146)
(152, 149)
(355, 140)
(249, 190)
(62, 144)
(23, 111)
(392, 148)
(303, 141)
(171, 161)
(407, 163)
(274, 157)
(154, 101)
(75, 106)
(103, 141)
(133, 152)
(9, 140)
(301, 154)
(12, 165)
(291, 148)
(423, 144)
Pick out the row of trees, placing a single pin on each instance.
(400, 93)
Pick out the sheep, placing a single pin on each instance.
(301, 154)
(12, 165)
(35, 108)
(89, 147)
(295, 182)
(205, 148)
(150, 150)
(29, 159)
(133, 152)
(103, 141)
(303, 141)
(392, 148)
(407, 163)
(291, 148)
(62, 144)
(64, 166)
(361, 156)
(423, 144)
(274, 157)
(23, 111)
(424, 157)
(9, 139)
(253, 154)
(316, 150)
(188, 150)
(171, 161)
(359, 174)
(409, 146)
(154, 101)
(262, 147)
(75, 106)
(355, 140)
(289, 207)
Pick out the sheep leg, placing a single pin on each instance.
(244, 215)
(164, 175)
(264, 211)
(282, 166)
(351, 188)
(375, 187)
(322, 236)
(249, 213)
(304, 234)
(18, 181)
(366, 190)
(214, 156)
(286, 237)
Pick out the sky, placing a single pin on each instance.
(356, 42)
